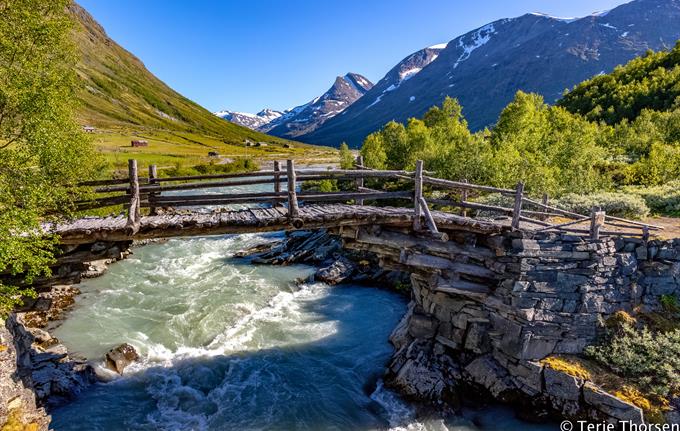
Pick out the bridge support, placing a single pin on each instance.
(360, 180)
(517, 210)
(134, 215)
(417, 196)
(293, 209)
(153, 174)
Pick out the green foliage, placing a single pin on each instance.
(651, 81)
(615, 204)
(373, 151)
(323, 186)
(346, 157)
(663, 199)
(649, 360)
(240, 165)
(669, 304)
(43, 153)
(117, 91)
(548, 148)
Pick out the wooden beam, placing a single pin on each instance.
(277, 176)
(398, 241)
(544, 201)
(596, 223)
(293, 209)
(153, 175)
(441, 263)
(429, 221)
(463, 199)
(134, 215)
(360, 180)
(418, 194)
(457, 185)
(517, 210)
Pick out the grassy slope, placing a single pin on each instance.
(125, 101)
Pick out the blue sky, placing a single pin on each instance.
(249, 54)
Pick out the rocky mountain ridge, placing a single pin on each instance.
(484, 68)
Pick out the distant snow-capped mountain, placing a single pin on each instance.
(306, 118)
(484, 68)
(251, 121)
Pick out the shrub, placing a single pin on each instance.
(615, 204)
(240, 165)
(495, 199)
(322, 186)
(650, 361)
(669, 304)
(663, 199)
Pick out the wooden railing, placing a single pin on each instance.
(151, 192)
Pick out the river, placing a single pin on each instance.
(226, 345)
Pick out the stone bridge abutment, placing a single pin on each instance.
(488, 307)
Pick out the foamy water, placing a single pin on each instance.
(226, 345)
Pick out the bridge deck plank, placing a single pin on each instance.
(252, 220)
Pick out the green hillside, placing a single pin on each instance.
(648, 82)
(124, 101)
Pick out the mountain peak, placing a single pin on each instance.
(305, 118)
(485, 67)
(251, 121)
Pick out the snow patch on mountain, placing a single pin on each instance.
(479, 38)
(571, 19)
(251, 121)
(305, 118)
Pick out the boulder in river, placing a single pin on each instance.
(118, 358)
(337, 272)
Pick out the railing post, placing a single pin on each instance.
(418, 194)
(645, 234)
(544, 201)
(292, 193)
(463, 199)
(277, 177)
(133, 212)
(517, 210)
(153, 174)
(596, 222)
(360, 179)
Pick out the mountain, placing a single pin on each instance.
(306, 118)
(251, 121)
(484, 68)
(119, 93)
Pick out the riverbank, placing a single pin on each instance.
(522, 344)
(446, 345)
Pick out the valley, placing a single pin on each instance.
(481, 236)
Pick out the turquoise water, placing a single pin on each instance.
(226, 345)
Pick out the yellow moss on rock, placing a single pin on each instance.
(620, 318)
(567, 365)
(15, 422)
(653, 410)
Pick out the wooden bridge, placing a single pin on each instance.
(413, 201)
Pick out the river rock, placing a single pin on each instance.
(96, 268)
(337, 272)
(118, 358)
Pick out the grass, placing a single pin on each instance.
(567, 365)
(174, 149)
(15, 422)
(588, 370)
(124, 101)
